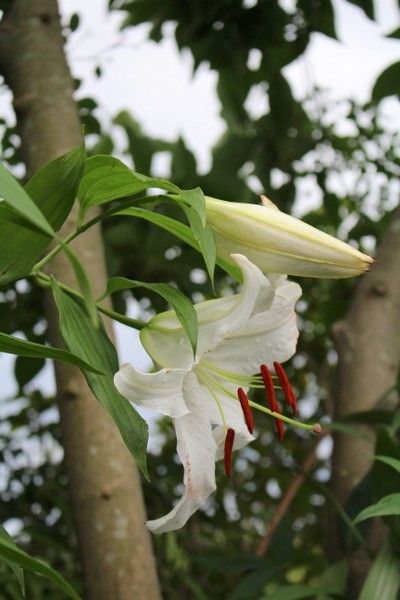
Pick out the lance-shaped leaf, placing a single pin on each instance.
(19, 572)
(52, 189)
(182, 306)
(389, 505)
(16, 197)
(383, 580)
(195, 199)
(10, 553)
(14, 345)
(106, 178)
(179, 230)
(204, 237)
(84, 284)
(93, 344)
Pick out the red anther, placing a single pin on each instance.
(271, 400)
(248, 415)
(280, 428)
(290, 396)
(228, 447)
(269, 388)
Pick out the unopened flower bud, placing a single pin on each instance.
(279, 243)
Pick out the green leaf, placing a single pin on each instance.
(180, 303)
(16, 197)
(389, 505)
(10, 552)
(19, 573)
(13, 345)
(9, 215)
(388, 83)
(388, 460)
(383, 580)
(176, 228)
(195, 199)
(204, 237)
(53, 189)
(93, 345)
(84, 284)
(107, 178)
(183, 167)
(179, 230)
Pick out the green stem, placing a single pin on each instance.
(81, 228)
(45, 281)
(39, 265)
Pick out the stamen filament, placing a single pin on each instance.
(210, 382)
(246, 380)
(228, 448)
(244, 403)
(315, 427)
(286, 387)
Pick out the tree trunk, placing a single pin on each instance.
(368, 345)
(104, 482)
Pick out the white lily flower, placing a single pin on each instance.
(279, 243)
(236, 334)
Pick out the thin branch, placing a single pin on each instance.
(288, 497)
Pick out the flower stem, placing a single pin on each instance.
(85, 226)
(39, 265)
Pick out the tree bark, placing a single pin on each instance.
(104, 482)
(368, 345)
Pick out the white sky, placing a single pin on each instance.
(156, 83)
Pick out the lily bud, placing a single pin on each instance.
(279, 243)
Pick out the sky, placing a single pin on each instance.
(157, 84)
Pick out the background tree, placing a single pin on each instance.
(103, 481)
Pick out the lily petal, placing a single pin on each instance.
(161, 391)
(267, 336)
(225, 404)
(196, 448)
(165, 340)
